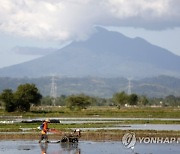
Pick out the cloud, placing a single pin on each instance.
(148, 14)
(74, 19)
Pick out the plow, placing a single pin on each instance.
(72, 137)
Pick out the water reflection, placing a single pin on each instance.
(70, 148)
(44, 147)
(87, 147)
(64, 148)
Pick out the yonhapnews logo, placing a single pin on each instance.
(129, 140)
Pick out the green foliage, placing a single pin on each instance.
(27, 95)
(143, 100)
(78, 101)
(22, 99)
(46, 101)
(59, 101)
(8, 98)
(133, 99)
(120, 99)
(171, 100)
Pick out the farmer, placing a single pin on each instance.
(44, 131)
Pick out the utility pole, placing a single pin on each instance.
(53, 93)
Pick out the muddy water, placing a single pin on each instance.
(85, 147)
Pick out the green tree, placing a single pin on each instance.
(46, 101)
(78, 101)
(120, 99)
(26, 95)
(7, 97)
(143, 100)
(133, 99)
(61, 100)
(171, 100)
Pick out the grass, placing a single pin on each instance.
(130, 112)
(18, 127)
(100, 135)
(33, 126)
(92, 112)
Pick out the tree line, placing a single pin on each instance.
(27, 95)
(22, 99)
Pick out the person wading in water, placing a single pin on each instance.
(44, 131)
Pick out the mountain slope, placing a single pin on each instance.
(160, 86)
(104, 54)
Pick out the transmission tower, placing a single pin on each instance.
(129, 86)
(53, 93)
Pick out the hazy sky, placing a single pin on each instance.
(50, 23)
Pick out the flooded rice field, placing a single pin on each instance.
(18, 119)
(85, 147)
(167, 127)
(175, 127)
(116, 121)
